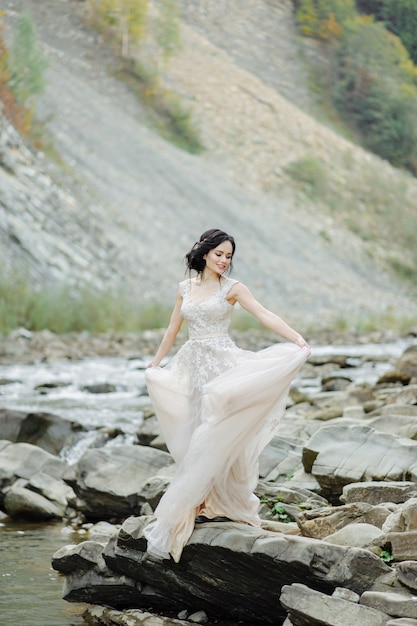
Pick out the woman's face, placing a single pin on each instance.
(219, 258)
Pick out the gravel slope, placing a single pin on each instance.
(154, 199)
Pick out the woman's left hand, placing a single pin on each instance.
(302, 343)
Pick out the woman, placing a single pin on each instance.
(218, 405)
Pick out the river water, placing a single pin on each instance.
(30, 590)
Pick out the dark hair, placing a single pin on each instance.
(209, 239)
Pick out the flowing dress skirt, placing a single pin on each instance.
(215, 435)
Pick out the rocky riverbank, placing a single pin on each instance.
(338, 487)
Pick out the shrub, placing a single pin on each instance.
(310, 173)
(19, 115)
(27, 63)
(324, 19)
(374, 84)
(126, 19)
(400, 17)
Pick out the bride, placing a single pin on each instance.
(217, 405)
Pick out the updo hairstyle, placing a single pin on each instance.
(208, 240)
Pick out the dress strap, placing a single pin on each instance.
(185, 286)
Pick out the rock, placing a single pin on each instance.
(99, 616)
(45, 430)
(197, 582)
(31, 482)
(102, 532)
(279, 457)
(20, 502)
(359, 535)
(321, 523)
(307, 607)
(82, 557)
(405, 396)
(403, 519)
(394, 376)
(403, 621)
(376, 492)
(100, 388)
(10, 422)
(403, 545)
(341, 454)
(346, 594)
(407, 363)
(199, 617)
(401, 425)
(48, 431)
(109, 481)
(407, 574)
(395, 604)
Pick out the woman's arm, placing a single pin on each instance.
(240, 293)
(171, 332)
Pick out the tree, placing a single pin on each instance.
(127, 17)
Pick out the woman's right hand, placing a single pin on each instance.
(152, 364)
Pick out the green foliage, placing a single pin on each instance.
(126, 19)
(323, 19)
(374, 84)
(166, 28)
(398, 16)
(167, 112)
(310, 174)
(386, 556)
(276, 510)
(27, 62)
(61, 310)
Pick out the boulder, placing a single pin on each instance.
(307, 607)
(216, 571)
(394, 604)
(31, 482)
(403, 545)
(112, 482)
(20, 502)
(341, 454)
(377, 492)
(358, 535)
(407, 574)
(45, 430)
(407, 363)
(320, 523)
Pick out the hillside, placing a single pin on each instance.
(128, 205)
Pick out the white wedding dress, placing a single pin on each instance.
(218, 407)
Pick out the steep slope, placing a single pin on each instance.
(140, 202)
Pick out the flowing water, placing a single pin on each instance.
(30, 590)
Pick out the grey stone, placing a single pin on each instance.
(359, 535)
(403, 545)
(346, 594)
(229, 591)
(199, 617)
(22, 502)
(407, 574)
(376, 492)
(320, 523)
(402, 604)
(109, 481)
(307, 607)
(98, 615)
(339, 455)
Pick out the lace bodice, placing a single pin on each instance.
(212, 316)
(209, 349)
